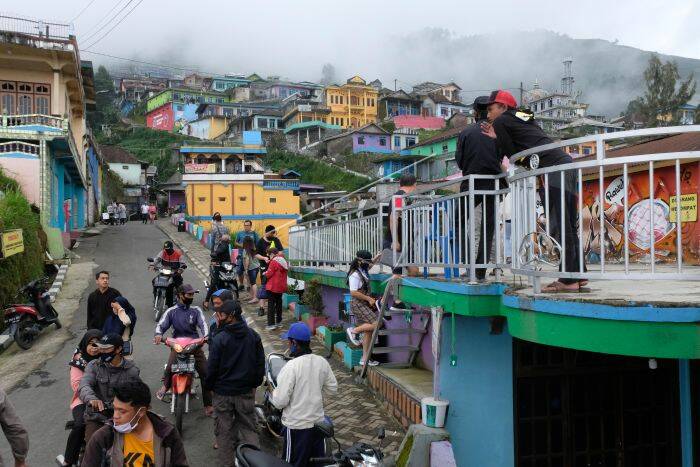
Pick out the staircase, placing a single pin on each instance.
(406, 317)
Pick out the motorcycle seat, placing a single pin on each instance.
(250, 456)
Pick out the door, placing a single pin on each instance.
(576, 408)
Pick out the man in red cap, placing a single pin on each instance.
(516, 130)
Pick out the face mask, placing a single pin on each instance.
(107, 357)
(127, 427)
(187, 301)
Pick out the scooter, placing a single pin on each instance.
(26, 320)
(358, 455)
(268, 416)
(183, 374)
(161, 282)
(227, 277)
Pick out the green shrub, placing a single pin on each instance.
(312, 297)
(17, 270)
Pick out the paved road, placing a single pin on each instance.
(42, 400)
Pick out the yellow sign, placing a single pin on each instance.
(12, 242)
(689, 208)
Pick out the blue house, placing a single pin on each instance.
(227, 82)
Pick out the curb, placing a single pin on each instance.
(6, 340)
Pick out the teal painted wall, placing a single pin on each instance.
(480, 391)
(436, 148)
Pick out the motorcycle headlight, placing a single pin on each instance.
(167, 272)
(228, 266)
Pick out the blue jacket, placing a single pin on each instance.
(236, 361)
(185, 322)
(113, 325)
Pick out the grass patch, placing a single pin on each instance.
(314, 171)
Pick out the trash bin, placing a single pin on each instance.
(181, 225)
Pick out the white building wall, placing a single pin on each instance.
(129, 173)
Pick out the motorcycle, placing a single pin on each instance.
(183, 373)
(26, 320)
(227, 277)
(161, 282)
(358, 455)
(270, 417)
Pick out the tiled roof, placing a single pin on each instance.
(417, 121)
(676, 143)
(117, 155)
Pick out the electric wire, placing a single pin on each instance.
(100, 27)
(82, 11)
(118, 23)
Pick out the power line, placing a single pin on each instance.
(82, 11)
(152, 63)
(118, 23)
(99, 28)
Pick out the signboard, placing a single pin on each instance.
(200, 168)
(12, 242)
(689, 207)
(304, 108)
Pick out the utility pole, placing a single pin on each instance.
(395, 84)
(521, 93)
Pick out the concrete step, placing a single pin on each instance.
(396, 348)
(388, 332)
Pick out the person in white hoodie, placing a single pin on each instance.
(299, 394)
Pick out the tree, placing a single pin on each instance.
(661, 102)
(328, 74)
(105, 112)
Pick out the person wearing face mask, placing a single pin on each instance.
(102, 375)
(170, 257)
(364, 307)
(299, 394)
(236, 368)
(86, 352)
(186, 321)
(136, 436)
(217, 299)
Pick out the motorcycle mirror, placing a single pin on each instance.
(325, 427)
(150, 260)
(381, 434)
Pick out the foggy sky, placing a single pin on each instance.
(386, 39)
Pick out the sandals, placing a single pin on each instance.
(560, 287)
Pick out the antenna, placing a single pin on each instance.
(567, 82)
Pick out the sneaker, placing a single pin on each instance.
(60, 460)
(261, 311)
(369, 363)
(352, 336)
(378, 305)
(271, 327)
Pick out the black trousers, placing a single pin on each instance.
(302, 445)
(144, 218)
(213, 281)
(274, 308)
(170, 291)
(200, 365)
(488, 215)
(570, 227)
(76, 437)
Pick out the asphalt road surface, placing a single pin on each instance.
(42, 399)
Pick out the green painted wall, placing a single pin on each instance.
(159, 100)
(436, 148)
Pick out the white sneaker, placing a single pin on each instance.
(369, 363)
(352, 336)
(271, 327)
(60, 460)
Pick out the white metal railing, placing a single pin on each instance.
(619, 213)
(19, 121)
(334, 240)
(437, 230)
(625, 216)
(20, 146)
(35, 28)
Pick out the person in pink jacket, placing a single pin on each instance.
(87, 350)
(276, 285)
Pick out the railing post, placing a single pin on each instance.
(472, 232)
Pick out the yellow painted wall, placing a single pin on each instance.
(218, 127)
(343, 114)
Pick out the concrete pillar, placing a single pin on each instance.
(223, 165)
(55, 102)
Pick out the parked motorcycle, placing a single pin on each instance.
(358, 455)
(26, 320)
(183, 374)
(227, 277)
(268, 416)
(161, 282)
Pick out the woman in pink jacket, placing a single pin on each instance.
(87, 350)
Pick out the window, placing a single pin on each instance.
(397, 141)
(360, 140)
(410, 142)
(201, 199)
(222, 199)
(382, 141)
(262, 123)
(549, 102)
(354, 100)
(24, 98)
(444, 148)
(273, 123)
(273, 200)
(586, 150)
(242, 198)
(176, 96)
(220, 100)
(125, 167)
(341, 99)
(179, 108)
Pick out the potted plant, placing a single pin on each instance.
(290, 296)
(333, 335)
(313, 300)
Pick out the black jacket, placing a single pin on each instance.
(517, 130)
(221, 253)
(99, 307)
(236, 361)
(477, 154)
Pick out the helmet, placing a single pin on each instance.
(168, 245)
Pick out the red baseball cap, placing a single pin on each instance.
(503, 97)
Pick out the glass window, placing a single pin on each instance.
(42, 105)
(220, 100)
(360, 140)
(176, 96)
(410, 142)
(444, 148)
(24, 105)
(273, 200)
(397, 141)
(262, 123)
(382, 141)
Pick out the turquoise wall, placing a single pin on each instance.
(480, 390)
(435, 148)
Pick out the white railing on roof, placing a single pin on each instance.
(35, 28)
(626, 217)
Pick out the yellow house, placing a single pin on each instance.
(232, 181)
(207, 127)
(353, 104)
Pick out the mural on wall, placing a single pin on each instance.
(640, 214)
(183, 114)
(161, 119)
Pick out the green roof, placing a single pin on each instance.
(312, 123)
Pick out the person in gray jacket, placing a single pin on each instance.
(101, 376)
(14, 431)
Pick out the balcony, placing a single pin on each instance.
(33, 123)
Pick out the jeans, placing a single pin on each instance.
(76, 437)
(274, 308)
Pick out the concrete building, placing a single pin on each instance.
(45, 90)
(207, 127)
(450, 90)
(353, 104)
(224, 83)
(173, 108)
(232, 180)
(133, 173)
(397, 103)
(370, 138)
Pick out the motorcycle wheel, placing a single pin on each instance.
(23, 336)
(159, 304)
(57, 323)
(234, 291)
(179, 411)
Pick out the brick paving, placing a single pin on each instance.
(356, 412)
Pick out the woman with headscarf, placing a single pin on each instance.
(122, 320)
(86, 351)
